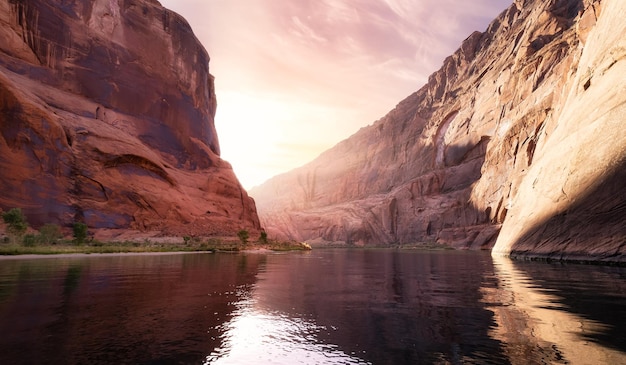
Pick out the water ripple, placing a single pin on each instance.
(264, 337)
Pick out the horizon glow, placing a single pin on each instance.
(295, 78)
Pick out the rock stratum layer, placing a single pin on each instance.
(106, 117)
(516, 143)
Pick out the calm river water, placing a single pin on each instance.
(322, 307)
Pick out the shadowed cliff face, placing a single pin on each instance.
(107, 116)
(447, 163)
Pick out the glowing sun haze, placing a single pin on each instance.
(294, 77)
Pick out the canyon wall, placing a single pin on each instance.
(516, 108)
(571, 203)
(106, 117)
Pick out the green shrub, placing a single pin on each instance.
(16, 222)
(243, 236)
(80, 233)
(186, 239)
(50, 234)
(29, 240)
(263, 237)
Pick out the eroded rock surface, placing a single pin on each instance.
(571, 203)
(529, 99)
(106, 117)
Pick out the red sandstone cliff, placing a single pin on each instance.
(521, 104)
(106, 117)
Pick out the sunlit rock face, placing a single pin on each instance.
(106, 117)
(446, 165)
(571, 202)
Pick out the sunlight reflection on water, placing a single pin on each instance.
(257, 336)
(533, 318)
(323, 307)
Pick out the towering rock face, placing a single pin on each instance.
(571, 203)
(523, 104)
(106, 117)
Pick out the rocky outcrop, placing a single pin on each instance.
(447, 163)
(106, 114)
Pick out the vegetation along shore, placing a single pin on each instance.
(19, 239)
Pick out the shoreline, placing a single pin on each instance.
(100, 249)
(29, 256)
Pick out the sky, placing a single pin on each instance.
(295, 77)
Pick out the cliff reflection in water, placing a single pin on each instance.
(412, 307)
(340, 306)
(119, 310)
(365, 306)
(559, 313)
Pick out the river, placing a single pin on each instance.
(326, 306)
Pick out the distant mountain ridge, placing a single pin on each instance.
(491, 152)
(106, 118)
